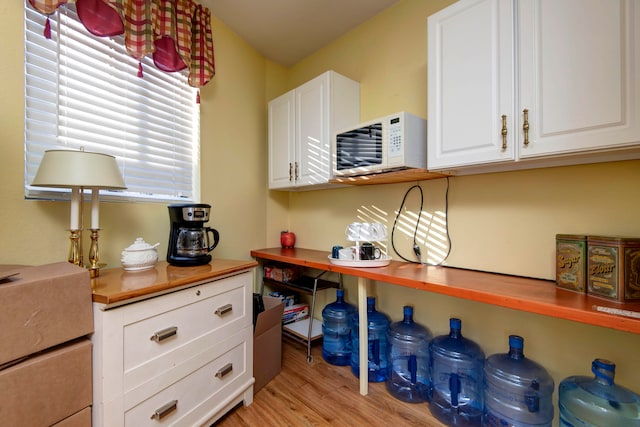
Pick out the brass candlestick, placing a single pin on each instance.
(94, 254)
(75, 248)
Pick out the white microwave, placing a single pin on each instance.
(394, 142)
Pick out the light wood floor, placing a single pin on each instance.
(320, 394)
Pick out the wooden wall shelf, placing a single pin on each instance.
(519, 293)
(407, 175)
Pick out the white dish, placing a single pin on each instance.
(383, 261)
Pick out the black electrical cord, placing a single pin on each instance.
(416, 247)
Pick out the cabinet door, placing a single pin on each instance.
(579, 74)
(313, 150)
(470, 83)
(282, 141)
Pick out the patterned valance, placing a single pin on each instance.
(177, 33)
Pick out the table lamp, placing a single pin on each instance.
(80, 170)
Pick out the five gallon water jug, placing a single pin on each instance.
(408, 357)
(456, 372)
(517, 390)
(336, 330)
(377, 325)
(597, 401)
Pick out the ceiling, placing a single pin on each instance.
(286, 31)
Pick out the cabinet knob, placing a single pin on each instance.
(164, 410)
(224, 309)
(164, 334)
(525, 126)
(504, 132)
(226, 369)
(290, 172)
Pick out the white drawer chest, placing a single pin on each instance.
(173, 346)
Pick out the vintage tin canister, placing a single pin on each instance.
(613, 267)
(571, 262)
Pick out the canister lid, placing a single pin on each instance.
(571, 236)
(615, 239)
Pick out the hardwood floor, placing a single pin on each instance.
(320, 394)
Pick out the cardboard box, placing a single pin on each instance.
(289, 297)
(47, 388)
(43, 306)
(267, 342)
(79, 419)
(281, 274)
(295, 313)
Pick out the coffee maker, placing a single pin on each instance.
(189, 240)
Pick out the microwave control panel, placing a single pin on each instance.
(395, 137)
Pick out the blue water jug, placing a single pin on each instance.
(377, 325)
(408, 356)
(337, 318)
(517, 390)
(597, 401)
(456, 373)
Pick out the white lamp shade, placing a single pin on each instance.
(69, 168)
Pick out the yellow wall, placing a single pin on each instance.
(502, 222)
(233, 167)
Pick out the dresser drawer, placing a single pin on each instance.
(195, 397)
(196, 319)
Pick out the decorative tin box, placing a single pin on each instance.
(571, 262)
(614, 267)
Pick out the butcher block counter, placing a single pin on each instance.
(116, 286)
(519, 293)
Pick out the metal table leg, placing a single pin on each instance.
(313, 305)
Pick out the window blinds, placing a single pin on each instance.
(83, 91)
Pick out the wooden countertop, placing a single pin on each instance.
(115, 286)
(519, 293)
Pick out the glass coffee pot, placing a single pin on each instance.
(193, 242)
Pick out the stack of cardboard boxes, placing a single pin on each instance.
(45, 357)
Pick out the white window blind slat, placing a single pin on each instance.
(83, 91)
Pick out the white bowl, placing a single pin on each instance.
(139, 256)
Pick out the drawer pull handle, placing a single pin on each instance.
(224, 309)
(164, 334)
(165, 410)
(226, 369)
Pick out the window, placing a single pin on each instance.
(84, 91)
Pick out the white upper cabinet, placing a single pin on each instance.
(282, 140)
(579, 73)
(471, 81)
(565, 74)
(302, 124)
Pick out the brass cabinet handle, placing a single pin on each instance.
(226, 369)
(297, 176)
(504, 132)
(290, 172)
(164, 410)
(224, 309)
(525, 126)
(164, 334)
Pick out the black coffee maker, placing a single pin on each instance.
(190, 241)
